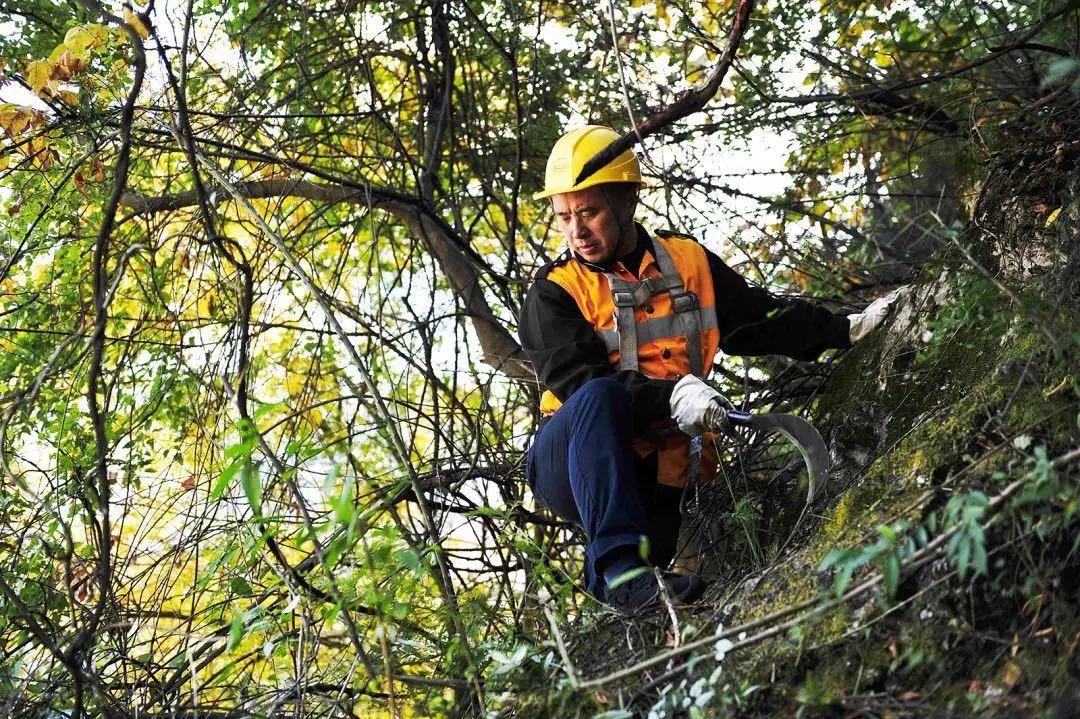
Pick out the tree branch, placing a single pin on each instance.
(501, 351)
(688, 102)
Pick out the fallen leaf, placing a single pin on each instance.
(1053, 216)
(1011, 674)
(909, 696)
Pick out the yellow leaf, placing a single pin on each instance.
(137, 23)
(67, 65)
(81, 38)
(69, 98)
(1012, 674)
(39, 151)
(4, 162)
(76, 38)
(882, 59)
(1053, 216)
(14, 119)
(38, 74)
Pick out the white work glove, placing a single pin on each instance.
(865, 322)
(696, 406)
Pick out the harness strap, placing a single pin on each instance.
(658, 328)
(687, 307)
(628, 296)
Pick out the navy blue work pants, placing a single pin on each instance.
(582, 467)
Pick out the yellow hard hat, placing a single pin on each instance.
(577, 147)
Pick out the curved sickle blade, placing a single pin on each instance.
(808, 441)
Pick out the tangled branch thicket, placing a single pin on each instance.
(263, 408)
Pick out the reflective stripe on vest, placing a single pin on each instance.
(657, 328)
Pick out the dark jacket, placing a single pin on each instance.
(554, 333)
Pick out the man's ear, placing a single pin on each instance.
(630, 203)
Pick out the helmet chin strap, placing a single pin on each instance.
(619, 220)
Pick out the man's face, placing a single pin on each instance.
(597, 223)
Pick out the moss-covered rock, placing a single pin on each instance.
(970, 386)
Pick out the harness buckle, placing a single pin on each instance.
(685, 302)
(623, 298)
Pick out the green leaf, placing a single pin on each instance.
(218, 490)
(963, 557)
(892, 573)
(249, 480)
(643, 548)
(335, 550)
(843, 577)
(331, 478)
(243, 448)
(240, 587)
(236, 631)
(836, 557)
(410, 559)
(978, 558)
(627, 576)
(345, 506)
(264, 409)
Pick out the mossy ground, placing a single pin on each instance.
(953, 396)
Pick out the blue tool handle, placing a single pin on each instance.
(738, 418)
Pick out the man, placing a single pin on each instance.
(621, 330)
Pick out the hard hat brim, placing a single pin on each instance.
(588, 182)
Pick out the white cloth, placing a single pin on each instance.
(868, 320)
(695, 406)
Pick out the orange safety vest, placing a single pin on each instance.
(656, 321)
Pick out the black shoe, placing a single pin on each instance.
(643, 591)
